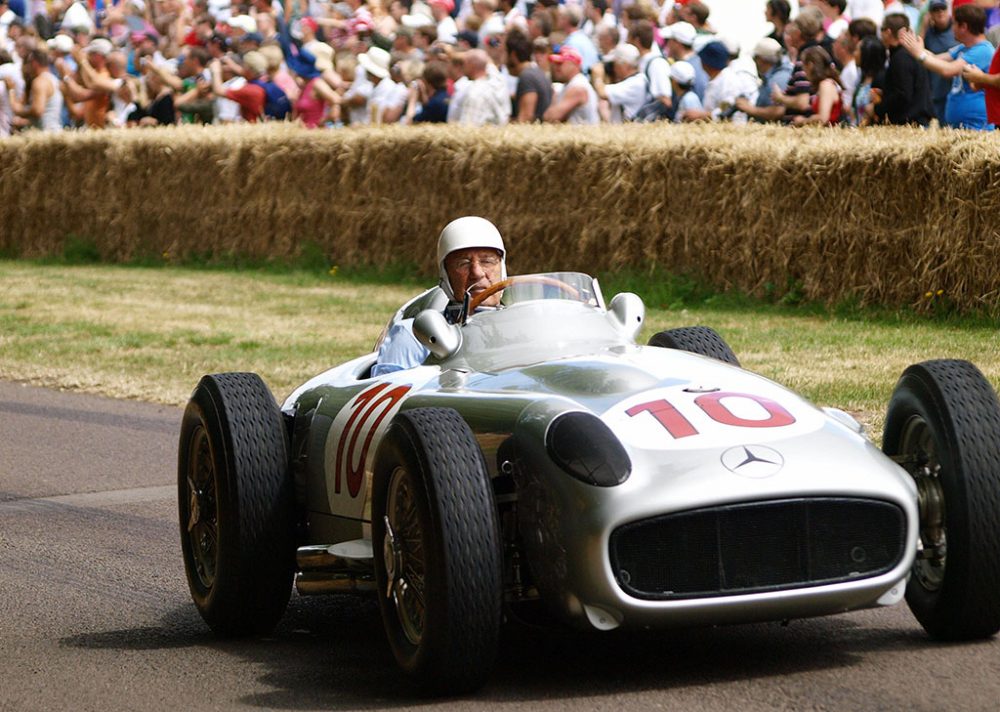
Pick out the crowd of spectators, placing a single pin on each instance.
(330, 63)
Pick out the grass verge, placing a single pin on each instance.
(149, 333)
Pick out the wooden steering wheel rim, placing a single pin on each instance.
(521, 279)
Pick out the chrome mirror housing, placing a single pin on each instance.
(433, 331)
(628, 311)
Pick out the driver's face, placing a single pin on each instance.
(473, 270)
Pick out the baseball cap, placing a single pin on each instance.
(682, 73)
(683, 32)
(768, 48)
(626, 54)
(714, 55)
(447, 5)
(61, 43)
(937, 5)
(100, 46)
(567, 54)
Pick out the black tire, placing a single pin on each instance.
(431, 483)
(943, 426)
(236, 504)
(701, 340)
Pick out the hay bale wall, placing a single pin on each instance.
(877, 216)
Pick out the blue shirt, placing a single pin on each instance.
(399, 350)
(579, 41)
(966, 109)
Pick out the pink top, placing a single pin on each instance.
(308, 108)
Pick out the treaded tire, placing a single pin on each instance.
(236, 504)
(702, 340)
(944, 415)
(430, 459)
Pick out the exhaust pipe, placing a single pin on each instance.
(340, 568)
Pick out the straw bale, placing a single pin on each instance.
(878, 216)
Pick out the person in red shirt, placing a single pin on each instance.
(989, 83)
(251, 97)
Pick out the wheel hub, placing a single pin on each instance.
(402, 552)
(920, 454)
(202, 523)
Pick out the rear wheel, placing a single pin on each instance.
(437, 551)
(943, 427)
(236, 504)
(701, 340)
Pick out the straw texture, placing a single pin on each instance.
(876, 216)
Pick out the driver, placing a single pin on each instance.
(471, 258)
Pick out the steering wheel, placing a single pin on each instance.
(524, 279)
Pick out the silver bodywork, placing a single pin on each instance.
(514, 370)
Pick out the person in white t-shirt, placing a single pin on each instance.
(726, 84)
(628, 94)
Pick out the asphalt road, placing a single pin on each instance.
(95, 614)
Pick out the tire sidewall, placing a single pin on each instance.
(915, 397)
(400, 448)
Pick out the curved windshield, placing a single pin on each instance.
(572, 286)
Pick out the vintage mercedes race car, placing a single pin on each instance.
(541, 460)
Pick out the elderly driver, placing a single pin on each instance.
(471, 258)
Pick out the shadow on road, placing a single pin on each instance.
(330, 652)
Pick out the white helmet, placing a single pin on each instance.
(463, 233)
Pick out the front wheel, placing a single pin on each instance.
(236, 504)
(943, 427)
(437, 551)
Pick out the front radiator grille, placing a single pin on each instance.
(756, 547)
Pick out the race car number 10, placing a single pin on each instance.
(718, 407)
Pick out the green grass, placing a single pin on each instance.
(149, 333)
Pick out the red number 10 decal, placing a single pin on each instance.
(680, 427)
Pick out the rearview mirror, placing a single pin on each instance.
(628, 311)
(433, 331)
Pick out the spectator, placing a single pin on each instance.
(990, 84)
(95, 100)
(445, 26)
(158, 108)
(43, 102)
(570, 17)
(485, 100)
(432, 94)
(726, 85)
(685, 100)
(825, 102)
(680, 38)
(376, 63)
(773, 68)
(906, 98)
(965, 107)
(251, 97)
(628, 94)
(7, 73)
(939, 38)
(778, 13)
(834, 20)
(655, 71)
(843, 51)
(870, 57)
(576, 102)
(534, 90)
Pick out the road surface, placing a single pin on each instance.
(95, 614)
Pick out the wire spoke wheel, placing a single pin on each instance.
(203, 514)
(919, 451)
(405, 555)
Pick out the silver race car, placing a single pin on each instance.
(540, 461)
